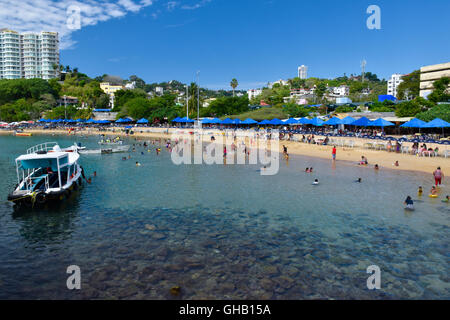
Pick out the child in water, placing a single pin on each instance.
(316, 182)
(433, 191)
(409, 203)
(447, 199)
(420, 191)
(376, 167)
(138, 164)
(359, 180)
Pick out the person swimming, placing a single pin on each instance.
(138, 164)
(409, 203)
(316, 182)
(307, 170)
(359, 180)
(433, 191)
(447, 199)
(376, 167)
(420, 191)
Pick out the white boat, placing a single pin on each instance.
(108, 142)
(118, 149)
(46, 173)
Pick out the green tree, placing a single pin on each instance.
(441, 111)
(410, 87)
(234, 83)
(440, 92)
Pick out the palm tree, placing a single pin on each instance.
(234, 83)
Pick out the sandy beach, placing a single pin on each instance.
(383, 158)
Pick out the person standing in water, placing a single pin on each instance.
(333, 153)
(438, 175)
(409, 203)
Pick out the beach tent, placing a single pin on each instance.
(227, 121)
(333, 122)
(276, 122)
(249, 121)
(414, 123)
(381, 123)
(142, 121)
(317, 122)
(304, 121)
(361, 122)
(348, 120)
(291, 121)
(264, 122)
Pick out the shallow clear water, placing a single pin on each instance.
(224, 232)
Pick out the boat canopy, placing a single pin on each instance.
(33, 161)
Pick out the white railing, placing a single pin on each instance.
(47, 146)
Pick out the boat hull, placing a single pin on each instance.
(38, 199)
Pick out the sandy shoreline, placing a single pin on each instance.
(383, 158)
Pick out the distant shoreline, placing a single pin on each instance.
(384, 159)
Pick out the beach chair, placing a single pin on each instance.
(404, 149)
(446, 153)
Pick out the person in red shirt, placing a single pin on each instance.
(333, 153)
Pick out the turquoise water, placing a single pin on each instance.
(223, 232)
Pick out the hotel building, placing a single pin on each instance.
(28, 55)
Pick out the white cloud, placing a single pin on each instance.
(196, 5)
(51, 15)
(171, 5)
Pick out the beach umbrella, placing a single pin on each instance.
(304, 121)
(291, 121)
(333, 121)
(91, 121)
(264, 122)
(276, 122)
(249, 121)
(237, 121)
(414, 123)
(142, 121)
(177, 119)
(348, 120)
(381, 123)
(206, 121)
(437, 123)
(361, 122)
(317, 122)
(216, 121)
(128, 127)
(227, 121)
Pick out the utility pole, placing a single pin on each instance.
(198, 96)
(187, 102)
(65, 108)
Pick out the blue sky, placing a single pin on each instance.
(255, 41)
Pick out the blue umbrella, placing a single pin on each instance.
(206, 121)
(264, 122)
(361, 122)
(317, 122)
(249, 121)
(91, 121)
(291, 121)
(304, 121)
(414, 123)
(348, 120)
(216, 121)
(141, 121)
(177, 119)
(128, 127)
(381, 123)
(237, 121)
(276, 122)
(333, 121)
(227, 121)
(437, 123)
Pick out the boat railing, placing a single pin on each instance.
(47, 146)
(30, 182)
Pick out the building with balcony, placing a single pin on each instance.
(429, 74)
(28, 55)
(393, 84)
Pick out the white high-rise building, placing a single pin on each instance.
(303, 72)
(393, 84)
(28, 55)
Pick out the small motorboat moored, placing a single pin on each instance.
(46, 173)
